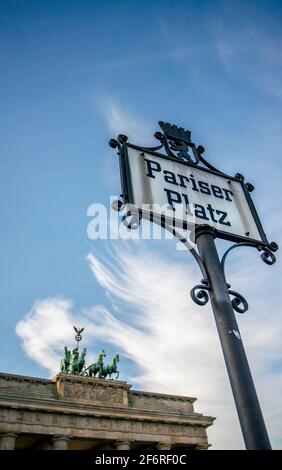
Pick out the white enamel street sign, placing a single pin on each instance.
(189, 194)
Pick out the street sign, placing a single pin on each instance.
(188, 195)
(181, 188)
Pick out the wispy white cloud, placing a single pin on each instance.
(172, 341)
(45, 329)
(172, 54)
(120, 119)
(251, 56)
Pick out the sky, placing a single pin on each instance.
(75, 74)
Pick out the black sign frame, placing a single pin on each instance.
(127, 190)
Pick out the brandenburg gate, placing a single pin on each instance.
(71, 412)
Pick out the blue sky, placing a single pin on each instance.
(74, 74)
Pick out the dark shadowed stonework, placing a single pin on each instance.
(73, 412)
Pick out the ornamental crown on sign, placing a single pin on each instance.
(174, 132)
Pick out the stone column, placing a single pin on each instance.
(163, 446)
(8, 441)
(60, 443)
(122, 445)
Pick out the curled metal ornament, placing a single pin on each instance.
(117, 205)
(131, 219)
(239, 303)
(267, 254)
(199, 293)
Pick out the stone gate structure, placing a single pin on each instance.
(75, 412)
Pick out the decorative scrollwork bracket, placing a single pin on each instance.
(239, 303)
(177, 144)
(267, 254)
(199, 293)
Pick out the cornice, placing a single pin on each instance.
(111, 412)
(163, 395)
(24, 378)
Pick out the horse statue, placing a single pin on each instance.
(65, 361)
(110, 369)
(73, 367)
(97, 366)
(81, 361)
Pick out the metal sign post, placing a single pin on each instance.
(177, 189)
(244, 393)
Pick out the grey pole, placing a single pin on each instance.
(244, 393)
